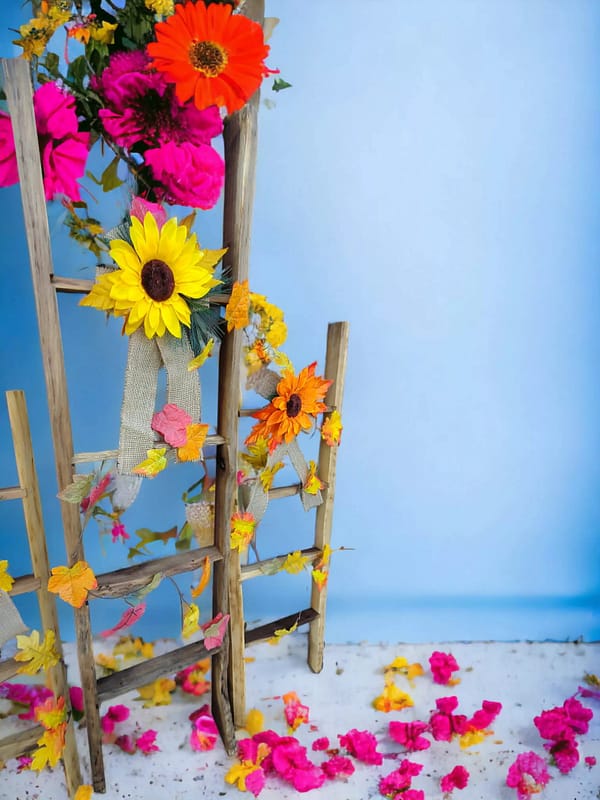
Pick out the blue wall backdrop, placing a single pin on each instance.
(432, 176)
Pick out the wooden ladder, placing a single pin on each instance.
(28, 492)
(314, 614)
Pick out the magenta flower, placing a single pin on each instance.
(590, 761)
(147, 742)
(118, 532)
(528, 775)
(563, 722)
(458, 778)
(114, 714)
(443, 724)
(362, 745)
(442, 666)
(76, 699)
(204, 733)
(483, 718)
(321, 744)
(408, 734)
(9, 173)
(337, 766)
(23, 694)
(188, 174)
(142, 108)
(289, 760)
(126, 743)
(398, 782)
(565, 754)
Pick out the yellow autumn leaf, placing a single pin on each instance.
(204, 578)
(325, 557)
(128, 647)
(237, 309)
(401, 665)
(109, 663)
(152, 465)
(191, 618)
(36, 655)
(313, 483)
(281, 632)
(295, 562)
(72, 584)
(6, 582)
(242, 530)
(197, 362)
(283, 361)
(255, 721)
(51, 712)
(84, 792)
(51, 746)
(267, 476)
(196, 436)
(331, 430)
(157, 693)
(257, 454)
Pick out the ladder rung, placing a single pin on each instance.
(24, 584)
(122, 582)
(12, 493)
(17, 744)
(84, 285)
(267, 565)
(248, 412)
(284, 623)
(106, 455)
(148, 671)
(8, 669)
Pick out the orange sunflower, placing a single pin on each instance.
(210, 54)
(298, 400)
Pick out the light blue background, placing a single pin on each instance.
(432, 177)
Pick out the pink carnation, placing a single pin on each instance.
(528, 775)
(590, 761)
(9, 173)
(336, 766)
(483, 718)
(362, 745)
(565, 754)
(147, 742)
(457, 779)
(188, 174)
(321, 744)
(443, 724)
(408, 734)
(114, 714)
(289, 761)
(442, 666)
(400, 779)
(204, 732)
(126, 743)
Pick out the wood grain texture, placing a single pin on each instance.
(266, 631)
(335, 369)
(19, 744)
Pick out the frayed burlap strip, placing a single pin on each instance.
(145, 359)
(11, 624)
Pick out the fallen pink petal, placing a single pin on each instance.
(458, 778)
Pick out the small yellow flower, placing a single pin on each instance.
(242, 530)
(105, 33)
(163, 7)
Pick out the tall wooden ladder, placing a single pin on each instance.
(28, 492)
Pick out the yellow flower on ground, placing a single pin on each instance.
(472, 737)
(392, 698)
(401, 665)
(84, 792)
(157, 693)
(254, 722)
(157, 271)
(109, 663)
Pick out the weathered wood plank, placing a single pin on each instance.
(12, 493)
(335, 369)
(8, 669)
(24, 584)
(266, 631)
(18, 744)
(267, 565)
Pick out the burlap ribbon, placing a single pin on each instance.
(11, 624)
(145, 358)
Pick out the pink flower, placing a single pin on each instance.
(397, 782)
(590, 761)
(204, 732)
(118, 532)
(362, 745)
(146, 742)
(140, 207)
(9, 173)
(563, 722)
(337, 766)
(321, 744)
(295, 712)
(192, 679)
(584, 691)
(126, 743)
(577, 715)
(442, 666)
(408, 734)
(443, 724)
(565, 754)
(114, 714)
(76, 699)
(289, 760)
(172, 423)
(528, 775)
(26, 695)
(457, 779)
(141, 107)
(188, 174)
(483, 718)
(24, 763)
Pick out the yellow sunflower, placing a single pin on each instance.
(157, 271)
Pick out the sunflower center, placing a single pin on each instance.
(208, 57)
(158, 280)
(293, 405)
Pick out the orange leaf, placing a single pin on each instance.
(192, 449)
(204, 578)
(237, 310)
(72, 584)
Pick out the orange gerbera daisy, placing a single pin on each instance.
(298, 400)
(210, 55)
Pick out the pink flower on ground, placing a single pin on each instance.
(578, 715)
(172, 423)
(192, 679)
(321, 744)
(362, 745)
(204, 733)
(443, 724)
(126, 743)
(26, 695)
(590, 761)
(147, 742)
(296, 713)
(584, 691)
(337, 766)
(398, 782)
(76, 699)
(289, 760)
(408, 734)
(528, 775)
(114, 714)
(188, 174)
(458, 778)
(24, 763)
(565, 754)
(484, 717)
(563, 722)
(442, 666)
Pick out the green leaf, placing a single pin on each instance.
(77, 71)
(184, 540)
(109, 178)
(137, 597)
(76, 491)
(146, 537)
(279, 85)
